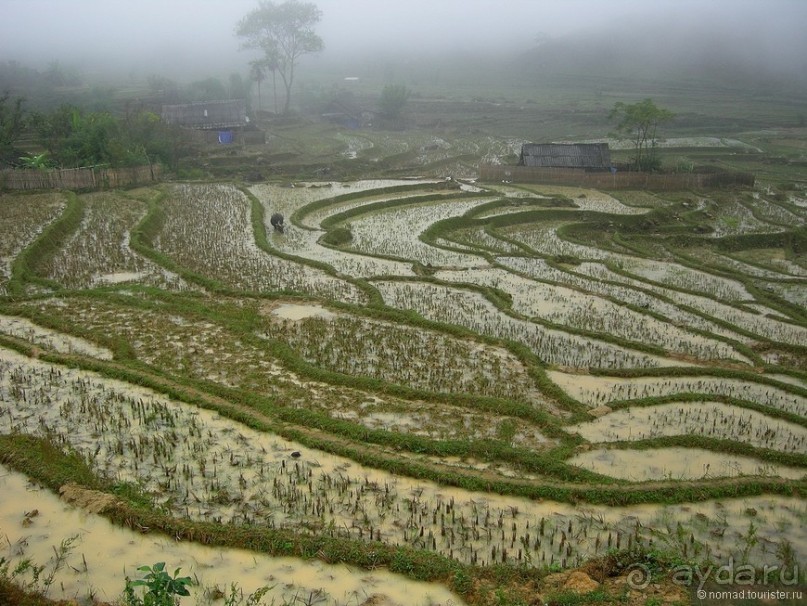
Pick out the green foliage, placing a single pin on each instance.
(338, 236)
(58, 74)
(35, 578)
(162, 589)
(684, 165)
(505, 598)
(640, 121)
(38, 161)
(568, 598)
(11, 125)
(506, 431)
(236, 596)
(393, 99)
(74, 138)
(207, 89)
(25, 266)
(44, 461)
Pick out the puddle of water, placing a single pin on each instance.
(121, 276)
(102, 555)
(294, 311)
(710, 419)
(584, 199)
(51, 339)
(797, 381)
(22, 218)
(677, 464)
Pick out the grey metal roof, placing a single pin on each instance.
(230, 113)
(565, 155)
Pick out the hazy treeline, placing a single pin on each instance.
(59, 83)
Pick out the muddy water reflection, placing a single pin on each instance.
(207, 467)
(102, 555)
(677, 464)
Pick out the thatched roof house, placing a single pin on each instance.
(207, 115)
(590, 156)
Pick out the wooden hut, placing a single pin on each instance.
(214, 121)
(207, 115)
(588, 156)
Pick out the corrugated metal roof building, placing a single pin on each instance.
(564, 155)
(231, 113)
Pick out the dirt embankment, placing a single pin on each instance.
(92, 501)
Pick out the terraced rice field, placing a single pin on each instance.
(423, 379)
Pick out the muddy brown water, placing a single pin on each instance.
(677, 464)
(208, 467)
(35, 523)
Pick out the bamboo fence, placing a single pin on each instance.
(491, 173)
(86, 178)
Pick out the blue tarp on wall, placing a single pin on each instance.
(225, 136)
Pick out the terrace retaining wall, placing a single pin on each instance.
(88, 178)
(619, 180)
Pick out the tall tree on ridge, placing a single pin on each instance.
(284, 32)
(640, 121)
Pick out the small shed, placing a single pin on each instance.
(589, 156)
(207, 115)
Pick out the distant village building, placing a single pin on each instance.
(588, 156)
(207, 115)
(589, 165)
(220, 120)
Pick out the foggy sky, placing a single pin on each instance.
(163, 36)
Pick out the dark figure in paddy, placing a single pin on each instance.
(277, 222)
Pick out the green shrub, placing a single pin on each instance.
(338, 236)
(162, 589)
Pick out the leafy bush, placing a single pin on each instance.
(162, 588)
(393, 99)
(338, 236)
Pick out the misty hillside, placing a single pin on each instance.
(682, 53)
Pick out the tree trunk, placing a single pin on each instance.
(274, 87)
